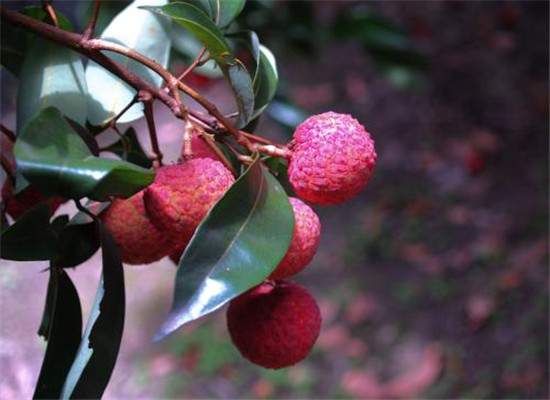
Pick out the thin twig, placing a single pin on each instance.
(89, 32)
(8, 167)
(123, 140)
(10, 135)
(80, 207)
(147, 101)
(109, 124)
(192, 65)
(48, 8)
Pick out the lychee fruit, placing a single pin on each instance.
(139, 241)
(332, 159)
(17, 205)
(304, 243)
(182, 195)
(275, 324)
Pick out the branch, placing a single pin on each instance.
(48, 8)
(77, 43)
(192, 65)
(147, 101)
(89, 32)
(10, 135)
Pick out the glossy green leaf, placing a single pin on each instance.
(199, 24)
(51, 76)
(14, 42)
(62, 328)
(139, 30)
(266, 77)
(241, 85)
(225, 11)
(237, 245)
(131, 151)
(30, 238)
(54, 158)
(98, 350)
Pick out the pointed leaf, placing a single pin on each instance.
(30, 238)
(51, 76)
(239, 243)
(54, 158)
(241, 85)
(139, 30)
(62, 328)
(98, 350)
(225, 11)
(197, 22)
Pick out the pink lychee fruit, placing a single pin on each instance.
(182, 195)
(332, 159)
(275, 324)
(304, 243)
(17, 205)
(139, 241)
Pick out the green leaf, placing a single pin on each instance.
(138, 30)
(134, 151)
(238, 244)
(241, 85)
(266, 77)
(98, 350)
(286, 114)
(51, 76)
(225, 11)
(14, 42)
(54, 158)
(30, 238)
(199, 24)
(62, 328)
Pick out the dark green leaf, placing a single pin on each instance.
(85, 135)
(31, 237)
(14, 42)
(225, 11)
(51, 76)
(62, 328)
(137, 30)
(279, 168)
(98, 350)
(197, 22)
(237, 245)
(241, 84)
(134, 151)
(54, 158)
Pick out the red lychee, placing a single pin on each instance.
(139, 241)
(182, 195)
(17, 205)
(333, 157)
(305, 239)
(275, 324)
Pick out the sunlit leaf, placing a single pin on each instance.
(98, 350)
(14, 42)
(51, 76)
(54, 158)
(139, 30)
(62, 328)
(238, 244)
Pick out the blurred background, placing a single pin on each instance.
(433, 283)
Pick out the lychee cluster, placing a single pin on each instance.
(276, 324)
(161, 219)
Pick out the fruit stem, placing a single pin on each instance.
(147, 99)
(48, 8)
(89, 32)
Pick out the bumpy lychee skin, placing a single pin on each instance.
(139, 241)
(304, 243)
(333, 158)
(18, 205)
(182, 195)
(274, 325)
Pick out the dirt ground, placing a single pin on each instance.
(433, 283)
